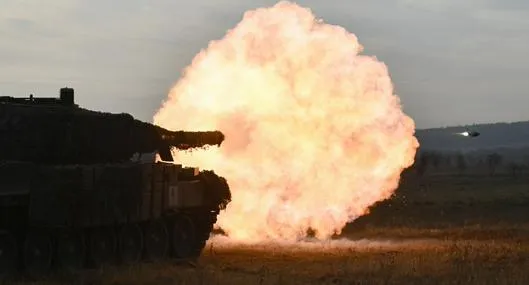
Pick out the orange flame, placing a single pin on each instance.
(314, 133)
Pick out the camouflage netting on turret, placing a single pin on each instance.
(220, 190)
(66, 134)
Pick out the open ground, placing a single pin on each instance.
(438, 229)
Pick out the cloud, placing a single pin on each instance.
(123, 55)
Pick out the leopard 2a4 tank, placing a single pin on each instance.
(73, 192)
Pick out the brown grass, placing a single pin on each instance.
(478, 234)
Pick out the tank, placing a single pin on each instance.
(81, 188)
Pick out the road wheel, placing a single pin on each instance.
(8, 254)
(204, 222)
(156, 240)
(38, 252)
(71, 250)
(103, 246)
(131, 243)
(183, 237)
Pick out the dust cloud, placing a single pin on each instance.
(341, 245)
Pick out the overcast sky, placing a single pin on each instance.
(451, 62)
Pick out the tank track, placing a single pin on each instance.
(181, 236)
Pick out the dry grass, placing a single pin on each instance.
(403, 241)
(420, 262)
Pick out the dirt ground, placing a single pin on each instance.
(441, 230)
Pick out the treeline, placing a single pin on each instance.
(514, 162)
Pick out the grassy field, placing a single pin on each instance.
(442, 230)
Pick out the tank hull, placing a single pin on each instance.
(74, 216)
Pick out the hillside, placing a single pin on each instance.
(493, 136)
(510, 140)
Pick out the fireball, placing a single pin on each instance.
(314, 132)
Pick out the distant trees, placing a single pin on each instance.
(436, 159)
(494, 160)
(425, 159)
(421, 163)
(439, 162)
(515, 168)
(513, 163)
(461, 163)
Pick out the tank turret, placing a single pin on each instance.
(56, 130)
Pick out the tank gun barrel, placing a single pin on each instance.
(183, 140)
(186, 140)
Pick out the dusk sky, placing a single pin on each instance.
(452, 62)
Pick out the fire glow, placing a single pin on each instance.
(314, 133)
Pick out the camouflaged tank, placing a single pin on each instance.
(74, 191)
